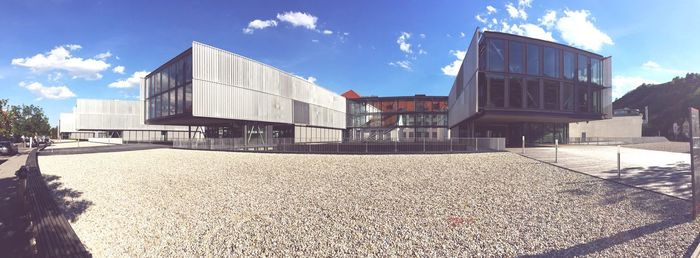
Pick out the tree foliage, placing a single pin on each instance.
(18, 120)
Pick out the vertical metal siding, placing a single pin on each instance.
(226, 85)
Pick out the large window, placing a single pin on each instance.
(582, 68)
(551, 62)
(582, 98)
(532, 94)
(497, 91)
(482, 90)
(596, 71)
(533, 60)
(551, 95)
(515, 92)
(170, 89)
(515, 57)
(567, 91)
(569, 64)
(496, 55)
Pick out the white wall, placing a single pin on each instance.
(618, 126)
(227, 85)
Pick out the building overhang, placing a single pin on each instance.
(533, 116)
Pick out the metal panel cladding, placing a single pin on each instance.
(230, 86)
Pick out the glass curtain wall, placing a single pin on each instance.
(170, 89)
(402, 118)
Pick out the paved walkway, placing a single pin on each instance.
(659, 171)
(14, 240)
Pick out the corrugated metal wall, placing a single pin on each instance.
(92, 114)
(229, 86)
(607, 92)
(463, 102)
(66, 122)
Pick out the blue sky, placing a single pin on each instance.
(53, 52)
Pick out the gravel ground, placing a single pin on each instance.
(168, 202)
(682, 147)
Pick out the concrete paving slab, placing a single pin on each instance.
(660, 171)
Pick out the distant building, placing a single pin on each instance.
(510, 86)
(626, 123)
(123, 119)
(410, 118)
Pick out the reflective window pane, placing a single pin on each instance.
(180, 99)
(582, 68)
(569, 64)
(171, 74)
(496, 55)
(180, 74)
(482, 90)
(515, 92)
(165, 79)
(532, 95)
(515, 57)
(582, 98)
(173, 104)
(157, 86)
(551, 95)
(596, 71)
(188, 68)
(551, 62)
(533, 59)
(568, 96)
(497, 91)
(188, 98)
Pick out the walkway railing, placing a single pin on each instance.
(330, 146)
(615, 140)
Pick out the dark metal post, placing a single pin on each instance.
(618, 161)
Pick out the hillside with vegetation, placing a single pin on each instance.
(668, 103)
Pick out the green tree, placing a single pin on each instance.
(29, 121)
(5, 119)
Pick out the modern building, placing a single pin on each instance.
(410, 118)
(626, 123)
(512, 86)
(236, 97)
(123, 119)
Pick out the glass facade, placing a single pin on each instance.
(169, 88)
(397, 118)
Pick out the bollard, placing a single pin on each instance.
(618, 161)
(21, 174)
(523, 150)
(556, 150)
(450, 144)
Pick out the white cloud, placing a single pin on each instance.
(327, 32)
(299, 19)
(132, 81)
(403, 44)
(118, 69)
(491, 9)
(314, 40)
(577, 30)
(60, 58)
(422, 52)
(528, 30)
(453, 68)
(405, 64)
(656, 67)
(549, 19)
(55, 76)
(311, 79)
(259, 25)
(481, 19)
(624, 84)
(346, 33)
(48, 92)
(462, 35)
(422, 35)
(103, 56)
(517, 12)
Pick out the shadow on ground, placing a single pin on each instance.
(14, 224)
(675, 176)
(67, 198)
(666, 211)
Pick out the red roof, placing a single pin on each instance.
(350, 94)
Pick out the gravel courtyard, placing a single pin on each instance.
(167, 202)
